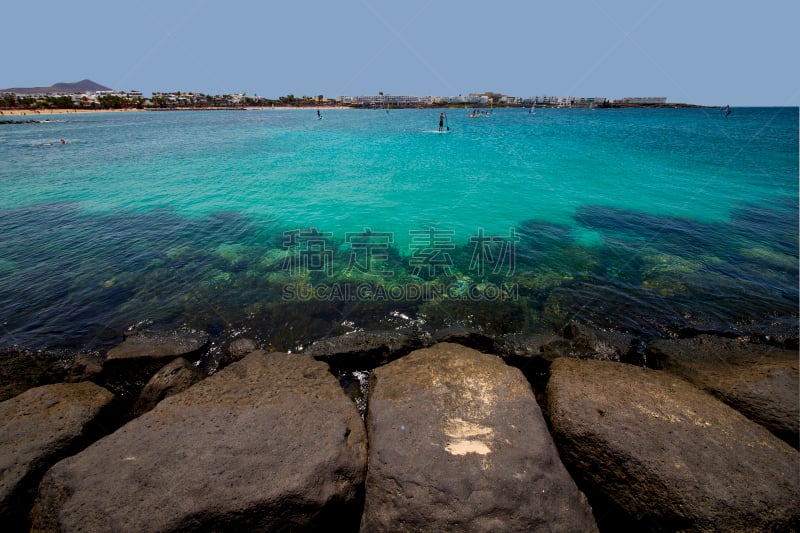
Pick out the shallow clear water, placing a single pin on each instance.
(636, 219)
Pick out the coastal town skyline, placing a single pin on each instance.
(712, 53)
(89, 94)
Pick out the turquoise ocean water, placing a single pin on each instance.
(275, 224)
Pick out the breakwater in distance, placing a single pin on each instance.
(574, 424)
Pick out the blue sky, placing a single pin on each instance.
(704, 52)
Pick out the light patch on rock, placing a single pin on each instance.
(669, 417)
(463, 447)
(459, 428)
(463, 434)
(666, 408)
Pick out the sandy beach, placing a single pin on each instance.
(20, 112)
(24, 112)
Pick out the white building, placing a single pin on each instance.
(381, 100)
(541, 100)
(645, 100)
(587, 102)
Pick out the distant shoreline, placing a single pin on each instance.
(31, 112)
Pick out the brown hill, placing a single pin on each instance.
(82, 86)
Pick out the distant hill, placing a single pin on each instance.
(83, 86)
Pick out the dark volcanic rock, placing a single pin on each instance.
(147, 345)
(523, 346)
(270, 443)
(458, 443)
(583, 342)
(38, 428)
(703, 326)
(578, 341)
(129, 365)
(527, 352)
(781, 332)
(21, 370)
(759, 380)
(465, 337)
(173, 378)
(85, 367)
(236, 351)
(672, 456)
(361, 350)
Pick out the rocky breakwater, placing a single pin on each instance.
(456, 440)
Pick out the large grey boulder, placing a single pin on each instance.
(760, 381)
(458, 443)
(670, 455)
(270, 443)
(37, 429)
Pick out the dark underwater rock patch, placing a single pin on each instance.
(130, 365)
(361, 350)
(22, 369)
